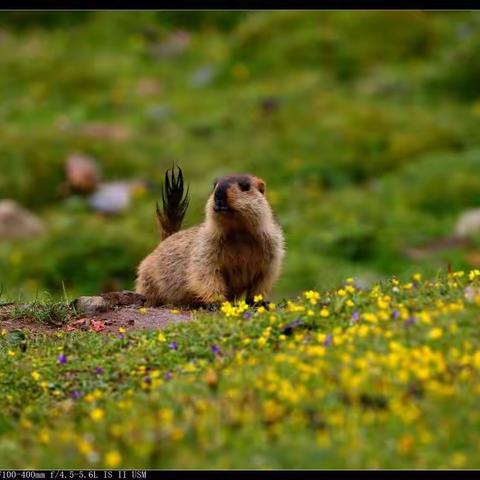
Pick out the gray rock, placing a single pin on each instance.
(159, 113)
(16, 222)
(111, 197)
(468, 223)
(90, 305)
(203, 76)
(87, 305)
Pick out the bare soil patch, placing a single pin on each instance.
(111, 321)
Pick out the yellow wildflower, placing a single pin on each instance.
(405, 443)
(324, 312)
(261, 341)
(417, 277)
(112, 459)
(473, 274)
(97, 414)
(44, 436)
(312, 296)
(436, 333)
(84, 446)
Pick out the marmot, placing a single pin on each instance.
(237, 250)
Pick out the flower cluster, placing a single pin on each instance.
(381, 377)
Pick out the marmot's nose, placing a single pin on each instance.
(220, 197)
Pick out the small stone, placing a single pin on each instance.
(202, 77)
(111, 197)
(468, 223)
(90, 305)
(16, 222)
(82, 173)
(159, 112)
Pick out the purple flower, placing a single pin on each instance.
(355, 316)
(173, 346)
(62, 358)
(395, 313)
(75, 394)
(168, 376)
(215, 349)
(410, 321)
(147, 380)
(121, 336)
(328, 340)
(247, 315)
(98, 370)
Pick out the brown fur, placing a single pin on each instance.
(231, 253)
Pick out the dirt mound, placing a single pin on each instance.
(129, 318)
(116, 319)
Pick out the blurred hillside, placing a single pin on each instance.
(365, 126)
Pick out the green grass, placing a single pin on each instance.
(365, 127)
(50, 313)
(346, 378)
(372, 147)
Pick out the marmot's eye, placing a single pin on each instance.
(244, 186)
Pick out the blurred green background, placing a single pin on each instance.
(365, 126)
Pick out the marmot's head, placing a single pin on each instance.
(238, 202)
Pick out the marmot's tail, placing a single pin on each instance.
(175, 203)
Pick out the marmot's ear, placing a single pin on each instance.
(261, 185)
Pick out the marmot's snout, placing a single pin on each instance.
(220, 197)
(231, 192)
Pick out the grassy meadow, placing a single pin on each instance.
(365, 126)
(346, 378)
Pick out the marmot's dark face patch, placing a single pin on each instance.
(238, 201)
(225, 188)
